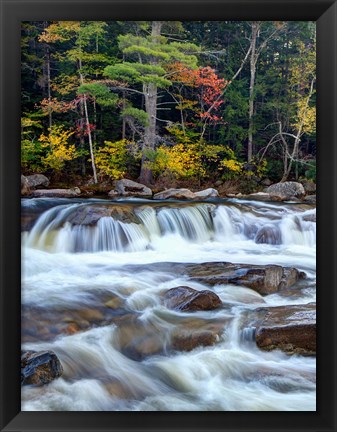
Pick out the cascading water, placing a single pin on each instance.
(197, 223)
(92, 294)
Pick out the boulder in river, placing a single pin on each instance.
(126, 188)
(25, 189)
(179, 194)
(286, 191)
(39, 368)
(265, 280)
(186, 194)
(291, 329)
(37, 180)
(188, 299)
(310, 199)
(91, 214)
(309, 187)
(56, 193)
(207, 193)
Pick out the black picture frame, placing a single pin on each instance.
(15, 11)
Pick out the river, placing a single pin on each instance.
(92, 294)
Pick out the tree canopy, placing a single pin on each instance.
(197, 101)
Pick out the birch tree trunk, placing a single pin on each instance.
(87, 123)
(253, 61)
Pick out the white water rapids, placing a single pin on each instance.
(71, 271)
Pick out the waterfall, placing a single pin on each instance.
(196, 223)
(94, 278)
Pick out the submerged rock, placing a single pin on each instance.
(39, 368)
(37, 180)
(56, 193)
(269, 234)
(291, 329)
(187, 341)
(128, 188)
(188, 299)
(286, 190)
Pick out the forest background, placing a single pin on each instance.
(169, 104)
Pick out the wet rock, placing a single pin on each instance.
(187, 341)
(25, 189)
(90, 215)
(138, 340)
(218, 183)
(37, 180)
(260, 196)
(309, 187)
(39, 368)
(114, 303)
(72, 328)
(310, 199)
(310, 217)
(180, 194)
(269, 234)
(56, 193)
(91, 315)
(286, 191)
(128, 188)
(188, 299)
(207, 193)
(291, 329)
(263, 279)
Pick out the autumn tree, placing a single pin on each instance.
(83, 35)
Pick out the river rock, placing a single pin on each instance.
(286, 190)
(310, 217)
(37, 180)
(25, 189)
(309, 187)
(179, 194)
(91, 214)
(39, 368)
(258, 196)
(310, 199)
(137, 339)
(265, 280)
(128, 188)
(188, 299)
(269, 234)
(291, 329)
(207, 193)
(56, 193)
(187, 341)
